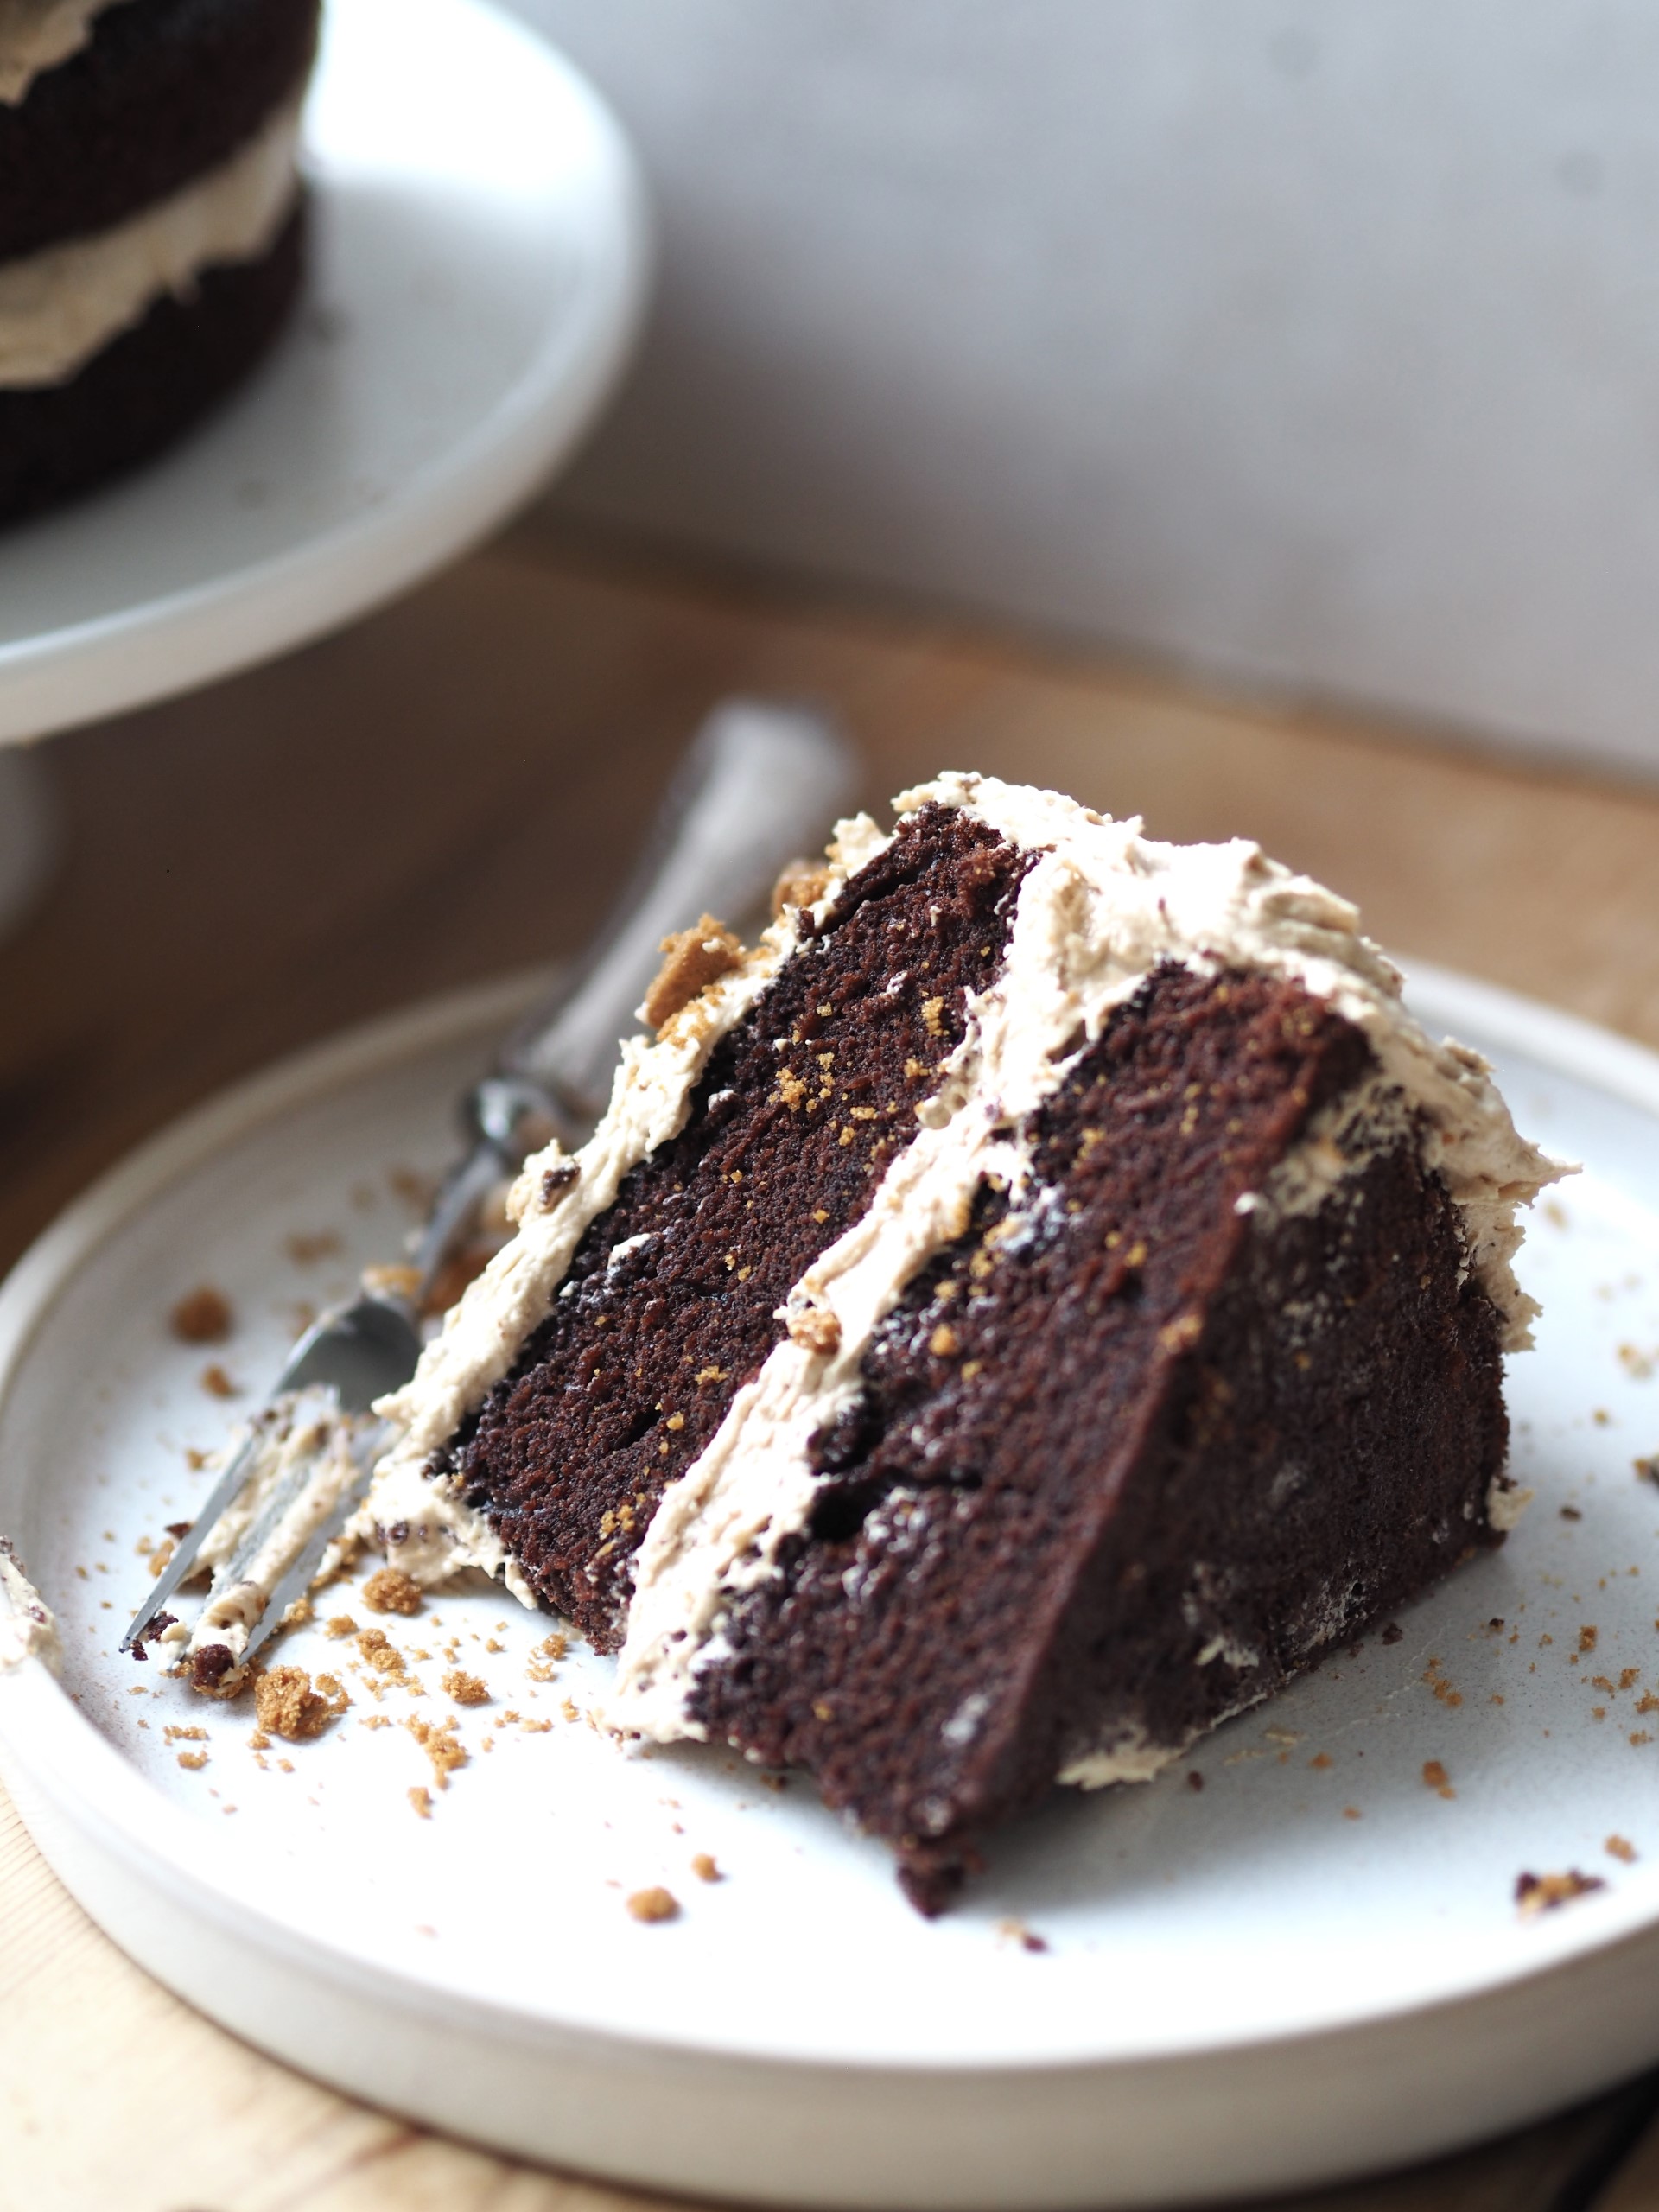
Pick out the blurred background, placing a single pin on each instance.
(1315, 347)
(1240, 412)
(1243, 413)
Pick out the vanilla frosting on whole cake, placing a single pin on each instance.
(36, 36)
(64, 304)
(1100, 909)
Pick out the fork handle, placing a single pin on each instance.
(760, 783)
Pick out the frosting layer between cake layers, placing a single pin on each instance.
(430, 1531)
(61, 306)
(1100, 908)
(36, 36)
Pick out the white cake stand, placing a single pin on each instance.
(481, 257)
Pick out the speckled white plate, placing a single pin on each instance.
(479, 260)
(1312, 1965)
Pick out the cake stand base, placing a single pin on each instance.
(30, 837)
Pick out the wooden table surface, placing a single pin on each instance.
(448, 791)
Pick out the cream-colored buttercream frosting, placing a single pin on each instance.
(36, 36)
(424, 1527)
(60, 306)
(1101, 906)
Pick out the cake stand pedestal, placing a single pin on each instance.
(28, 834)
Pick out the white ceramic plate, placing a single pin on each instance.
(1244, 1987)
(480, 255)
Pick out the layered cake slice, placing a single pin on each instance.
(151, 222)
(1023, 1313)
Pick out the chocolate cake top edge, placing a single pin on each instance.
(1100, 908)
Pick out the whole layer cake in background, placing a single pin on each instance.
(151, 223)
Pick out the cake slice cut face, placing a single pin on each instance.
(1024, 1313)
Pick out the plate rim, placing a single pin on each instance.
(1074, 2131)
(33, 1706)
(132, 656)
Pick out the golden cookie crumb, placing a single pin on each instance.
(422, 1801)
(466, 1689)
(287, 1706)
(1618, 1846)
(381, 1653)
(306, 1250)
(800, 883)
(704, 1866)
(1536, 1893)
(338, 1625)
(391, 1591)
(816, 1329)
(656, 1904)
(440, 1745)
(694, 959)
(202, 1316)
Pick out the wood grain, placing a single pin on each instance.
(450, 790)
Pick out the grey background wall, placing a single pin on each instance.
(1316, 344)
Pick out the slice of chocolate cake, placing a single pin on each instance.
(1021, 1315)
(151, 226)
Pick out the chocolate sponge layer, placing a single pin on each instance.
(800, 1110)
(164, 90)
(1126, 1461)
(149, 385)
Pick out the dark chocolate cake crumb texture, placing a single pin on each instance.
(801, 1108)
(1123, 1461)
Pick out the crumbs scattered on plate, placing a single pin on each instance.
(1536, 1893)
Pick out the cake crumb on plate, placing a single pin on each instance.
(388, 1590)
(287, 1705)
(439, 1744)
(1536, 1893)
(202, 1316)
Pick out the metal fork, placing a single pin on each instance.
(759, 786)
